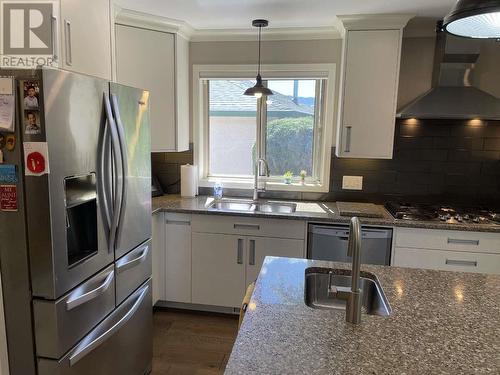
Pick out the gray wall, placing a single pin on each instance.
(427, 163)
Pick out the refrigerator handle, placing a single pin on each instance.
(124, 160)
(103, 177)
(82, 352)
(118, 185)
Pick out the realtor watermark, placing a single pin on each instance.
(27, 34)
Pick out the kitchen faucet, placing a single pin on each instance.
(256, 189)
(353, 308)
(352, 297)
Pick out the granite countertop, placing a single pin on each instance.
(441, 322)
(311, 211)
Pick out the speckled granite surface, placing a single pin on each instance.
(312, 211)
(441, 323)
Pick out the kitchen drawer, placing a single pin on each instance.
(60, 324)
(121, 344)
(480, 242)
(447, 260)
(239, 225)
(132, 270)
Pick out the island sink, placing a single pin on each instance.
(328, 289)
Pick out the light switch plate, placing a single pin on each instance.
(352, 182)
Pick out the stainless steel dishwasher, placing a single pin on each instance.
(329, 242)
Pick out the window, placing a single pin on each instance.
(287, 129)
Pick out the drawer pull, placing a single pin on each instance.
(251, 257)
(126, 263)
(247, 226)
(239, 253)
(459, 241)
(177, 222)
(465, 263)
(78, 298)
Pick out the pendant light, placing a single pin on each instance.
(259, 89)
(474, 19)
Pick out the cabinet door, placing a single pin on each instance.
(218, 269)
(86, 37)
(371, 66)
(146, 59)
(158, 240)
(182, 92)
(178, 259)
(260, 247)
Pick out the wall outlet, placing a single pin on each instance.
(352, 182)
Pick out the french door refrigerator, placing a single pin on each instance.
(75, 226)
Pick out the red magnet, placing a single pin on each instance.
(35, 162)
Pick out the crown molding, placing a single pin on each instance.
(135, 18)
(372, 22)
(270, 34)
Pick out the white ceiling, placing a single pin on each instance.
(237, 14)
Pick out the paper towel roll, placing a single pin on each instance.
(189, 180)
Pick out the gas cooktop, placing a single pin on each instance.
(445, 214)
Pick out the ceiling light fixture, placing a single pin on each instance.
(259, 89)
(474, 19)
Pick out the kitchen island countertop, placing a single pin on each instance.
(441, 322)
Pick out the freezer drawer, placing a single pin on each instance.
(121, 344)
(132, 270)
(61, 324)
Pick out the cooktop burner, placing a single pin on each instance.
(447, 214)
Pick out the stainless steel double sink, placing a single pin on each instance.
(318, 291)
(248, 205)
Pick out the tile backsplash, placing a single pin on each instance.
(434, 161)
(166, 166)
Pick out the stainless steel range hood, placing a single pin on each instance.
(453, 95)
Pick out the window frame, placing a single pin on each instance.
(327, 72)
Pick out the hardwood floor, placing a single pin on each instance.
(195, 343)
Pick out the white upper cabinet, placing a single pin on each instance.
(370, 75)
(157, 61)
(85, 37)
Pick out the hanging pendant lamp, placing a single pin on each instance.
(259, 89)
(474, 19)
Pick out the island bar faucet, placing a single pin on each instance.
(257, 174)
(353, 307)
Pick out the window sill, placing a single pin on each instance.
(243, 183)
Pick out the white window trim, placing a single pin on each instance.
(300, 71)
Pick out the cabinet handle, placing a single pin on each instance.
(463, 242)
(69, 57)
(55, 40)
(239, 254)
(465, 263)
(251, 256)
(348, 139)
(247, 226)
(177, 222)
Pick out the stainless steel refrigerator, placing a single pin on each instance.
(75, 226)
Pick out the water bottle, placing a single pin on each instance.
(218, 190)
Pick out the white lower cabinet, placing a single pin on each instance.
(446, 250)
(228, 253)
(210, 260)
(158, 257)
(260, 247)
(178, 258)
(447, 260)
(218, 269)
